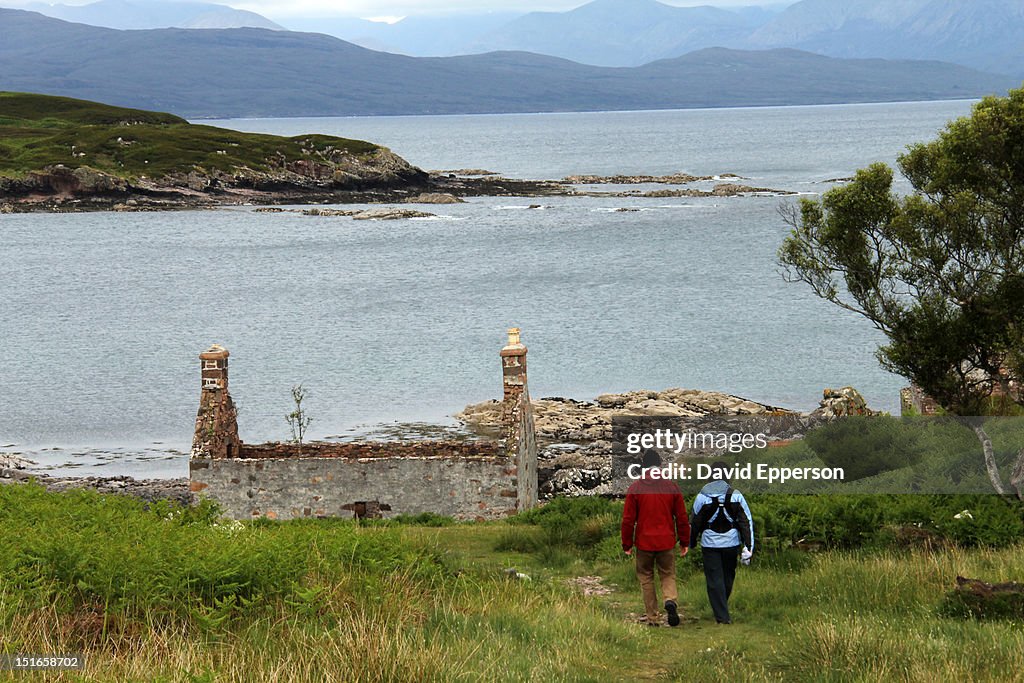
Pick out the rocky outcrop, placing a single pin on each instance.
(733, 190)
(842, 403)
(63, 181)
(671, 179)
(321, 212)
(12, 461)
(571, 420)
(465, 171)
(335, 175)
(435, 198)
(389, 214)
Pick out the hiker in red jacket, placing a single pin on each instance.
(654, 519)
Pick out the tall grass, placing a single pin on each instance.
(178, 595)
(165, 594)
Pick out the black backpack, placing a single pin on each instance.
(721, 515)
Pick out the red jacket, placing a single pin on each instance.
(654, 516)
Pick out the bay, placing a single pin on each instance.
(105, 313)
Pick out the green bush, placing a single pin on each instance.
(784, 521)
(574, 523)
(852, 521)
(866, 446)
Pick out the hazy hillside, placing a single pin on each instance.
(254, 72)
(419, 36)
(141, 14)
(618, 32)
(985, 34)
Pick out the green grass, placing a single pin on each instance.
(164, 594)
(40, 130)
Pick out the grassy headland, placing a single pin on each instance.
(37, 131)
(169, 594)
(61, 147)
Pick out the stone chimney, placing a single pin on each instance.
(517, 418)
(216, 434)
(513, 367)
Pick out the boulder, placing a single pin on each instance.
(435, 198)
(842, 403)
(389, 214)
(329, 212)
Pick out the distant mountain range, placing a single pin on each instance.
(984, 34)
(142, 14)
(257, 72)
(618, 32)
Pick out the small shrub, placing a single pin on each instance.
(518, 540)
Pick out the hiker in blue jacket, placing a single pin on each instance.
(725, 529)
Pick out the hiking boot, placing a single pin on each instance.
(673, 613)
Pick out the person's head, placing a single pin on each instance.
(652, 458)
(718, 469)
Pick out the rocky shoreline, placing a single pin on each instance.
(148, 490)
(384, 178)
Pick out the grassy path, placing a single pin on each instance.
(828, 617)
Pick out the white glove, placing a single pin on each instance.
(746, 555)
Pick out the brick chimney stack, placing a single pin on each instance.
(216, 434)
(513, 366)
(517, 416)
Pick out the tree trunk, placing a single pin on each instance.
(1017, 478)
(990, 457)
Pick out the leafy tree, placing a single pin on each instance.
(940, 270)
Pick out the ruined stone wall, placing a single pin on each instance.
(521, 446)
(913, 401)
(461, 479)
(468, 487)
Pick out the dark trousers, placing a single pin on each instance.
(720, 572)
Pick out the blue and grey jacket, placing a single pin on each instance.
(716, 490)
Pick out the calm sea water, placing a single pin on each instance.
(103, 314)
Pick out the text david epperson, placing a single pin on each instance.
(740, 472)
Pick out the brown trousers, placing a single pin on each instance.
(665, 560)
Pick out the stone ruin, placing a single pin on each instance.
(462, 479)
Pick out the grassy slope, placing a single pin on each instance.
(168, 596)
(837, 616)
(41, 130)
